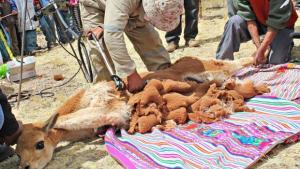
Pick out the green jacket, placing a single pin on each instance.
(275, 14)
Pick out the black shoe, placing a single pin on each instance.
(6, 152)
(38, 48)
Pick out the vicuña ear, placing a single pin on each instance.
(49, 124)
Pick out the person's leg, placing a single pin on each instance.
(50, 32)
(281, 47)
(173, 38)
(297, 4)
(64, 36)
(51, 36)
(149, 46)
(14, 41)
(231, 9)
(45, 29)
(191, 22)
(91, 18)
(68, 19)
(235, 33)
(51, 24)
(31, 41)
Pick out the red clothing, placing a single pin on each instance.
(261, 9)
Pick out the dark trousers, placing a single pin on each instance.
(298, 3)
(14, 39)
(63, 35)
(48, 29)
(191, 23)
(231, 9)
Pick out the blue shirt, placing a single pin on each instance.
(44, 3)
(13, 5)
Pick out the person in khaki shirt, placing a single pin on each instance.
(136, 19)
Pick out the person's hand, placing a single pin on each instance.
(135, 83)
(261, 55)
(98, 31)
(38, 6)
(14, 12)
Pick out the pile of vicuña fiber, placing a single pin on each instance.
(166, 103)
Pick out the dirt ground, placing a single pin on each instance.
(91, 154)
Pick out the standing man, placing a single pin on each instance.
(47, 24)
(274, 19)
(9, 7)
(136, 19)
(191, 27)
(30, 25)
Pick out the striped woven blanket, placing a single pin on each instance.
(284, 79)
(236, 142)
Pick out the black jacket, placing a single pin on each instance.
(10, 125)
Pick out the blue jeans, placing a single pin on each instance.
(4, 54)
(236, 32)
(30, 41)
(48, 29)
(231, 9)
(63, 35)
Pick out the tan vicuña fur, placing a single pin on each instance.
(102, 105)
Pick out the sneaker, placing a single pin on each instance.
(192, 43)
(172, 46)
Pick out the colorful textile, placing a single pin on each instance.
(284, 80)
(236, 142)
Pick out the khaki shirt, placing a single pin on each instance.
(120, 16)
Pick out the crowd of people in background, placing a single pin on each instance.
(11, 27)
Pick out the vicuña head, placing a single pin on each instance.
(76, 119)
(36, 144)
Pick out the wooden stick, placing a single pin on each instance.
(22, 52)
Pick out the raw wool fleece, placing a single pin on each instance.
(165, 103)
(100, 104)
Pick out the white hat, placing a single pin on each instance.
(164, 14)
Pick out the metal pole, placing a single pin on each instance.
(22, 50)
(102, 52)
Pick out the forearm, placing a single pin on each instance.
(116, 46)
(252, 28)
(270, 35)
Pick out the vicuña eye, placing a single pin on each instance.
(40, 145)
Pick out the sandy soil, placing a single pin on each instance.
(91, 154)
